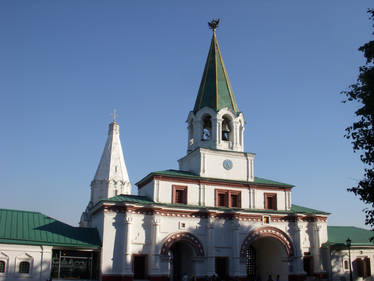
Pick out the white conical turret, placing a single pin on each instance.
(111, 177)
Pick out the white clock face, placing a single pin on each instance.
(227, 164)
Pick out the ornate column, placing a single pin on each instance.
(235, 257)
(210, 247)
(128, 251)
(217, 126)
(316, 248)
(155, 247)
(298, 264)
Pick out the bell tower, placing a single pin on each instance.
(215, 146)
(215, 121)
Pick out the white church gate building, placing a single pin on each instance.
(212, 216)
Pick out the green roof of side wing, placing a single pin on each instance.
(337, 236)
(34, 228)
(215, 89)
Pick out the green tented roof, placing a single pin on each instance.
(215, 89)
(34, 228)
(143, 200)
(189, 175)
(337, 236)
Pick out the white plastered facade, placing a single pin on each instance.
(38, 257)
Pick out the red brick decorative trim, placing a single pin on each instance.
(150, 210)
(110, 277)
(182, 236)
(267, 231)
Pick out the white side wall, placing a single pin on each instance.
(337, 258)
(204, 194)
(39, 258)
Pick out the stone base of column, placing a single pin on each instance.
(158, 277)
(296, 277)
(321, 275)
(112, 277)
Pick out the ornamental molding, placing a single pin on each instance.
(187, 237)
(263, 232)
(208, 214)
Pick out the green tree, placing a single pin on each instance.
(361, 133)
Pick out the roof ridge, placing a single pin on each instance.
(24, 211)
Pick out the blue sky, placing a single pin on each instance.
(64, 66)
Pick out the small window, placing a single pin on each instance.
(346, 265)
(2, 266)
(266, 219)
(270, 201)
(228, 198)
(222, 199)
(24, 267)
(234, 200)
(179, 194)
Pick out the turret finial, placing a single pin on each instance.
(213, 24)
(115, 114)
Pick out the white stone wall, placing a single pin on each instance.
(204, 194)
(337, 258)
(126, 234)
(39, 258)
(209, 163)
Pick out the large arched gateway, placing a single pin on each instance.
(182, 248)
(267, 251)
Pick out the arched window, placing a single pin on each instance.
(190, 133)
(207, 128)
(24, 267)
(226, 129)
(2, 266)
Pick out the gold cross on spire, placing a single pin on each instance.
(213, 24)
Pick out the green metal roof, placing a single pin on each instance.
(215, 89)
(189, 175)
(337, 235)
(143, 200)
(34, 228)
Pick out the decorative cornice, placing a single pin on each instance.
(231, 215)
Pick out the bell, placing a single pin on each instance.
(226, 127)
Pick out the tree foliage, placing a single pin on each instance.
(361, 133)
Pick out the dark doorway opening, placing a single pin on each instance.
(181, 261)
(308, 265)
(140, 266)
(222, 266)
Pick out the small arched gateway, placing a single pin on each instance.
(182, 247)
(267, 251)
